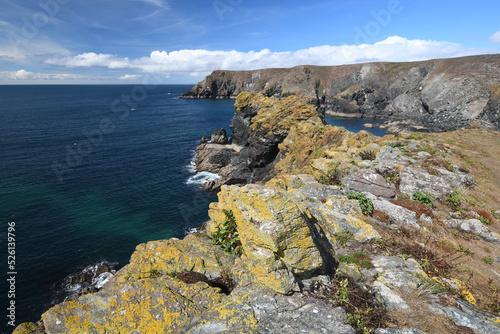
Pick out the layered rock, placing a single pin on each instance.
(260, 124)
(437, 95)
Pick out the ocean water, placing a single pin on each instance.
(89, 172)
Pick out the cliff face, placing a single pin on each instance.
(437, 95)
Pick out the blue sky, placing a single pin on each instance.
(130, 41)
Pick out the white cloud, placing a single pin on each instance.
(130, 77)
(23, 76)
(202, 61)
(158, 3)
(495, 38)
(19, 48)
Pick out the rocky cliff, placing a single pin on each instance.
(435, 95)
(349, 233)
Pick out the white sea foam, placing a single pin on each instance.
(99, 281)
(202, 177)
(192, 230)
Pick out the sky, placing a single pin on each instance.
(180, 42)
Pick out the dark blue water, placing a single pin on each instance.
(85, 178)
(89, 172)
(356, 124)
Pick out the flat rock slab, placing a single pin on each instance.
(475, 227)
(367, 180)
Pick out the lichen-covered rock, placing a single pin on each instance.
(262, 311)
(288, 227)
(196, 252)
(28, 328)
(275, 234)
(161, 305)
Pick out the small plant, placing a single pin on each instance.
(333, 177)
(368, 155)
(432, 285)
(127, 276)
(343, 237)
(154, 273)
(405, 256)
(424, 198)
(485, 216)
(226, 235)
(487, 249)
(393, 176)
(429, 149)
(365, 203)
(359, 258)
(488, 260)
(342, 297)
(454, 200)
(448, 165)
(448, 243)
(465, 250)
(495, 308)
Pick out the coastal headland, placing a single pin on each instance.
(321, 230)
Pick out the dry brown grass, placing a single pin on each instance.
(414, 206)
(421, 317)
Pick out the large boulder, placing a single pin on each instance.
(219, 136)
(288, 228)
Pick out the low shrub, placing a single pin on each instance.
(364, 312)
(424, 198)
(454, 200)
(343, 237)
(333, 177)
(365, 203)
(226, 235)
(368, 155)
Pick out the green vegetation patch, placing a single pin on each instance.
(226, 235)
(424, 198)
(365, 203)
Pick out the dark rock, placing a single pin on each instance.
(219, 137)
(204, 140)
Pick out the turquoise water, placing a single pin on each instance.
(89, 172)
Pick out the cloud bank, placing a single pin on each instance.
(495, 38)
(198, 61)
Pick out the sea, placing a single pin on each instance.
(88, 172)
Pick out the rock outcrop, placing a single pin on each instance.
(434, 95)
(333, 238)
